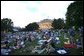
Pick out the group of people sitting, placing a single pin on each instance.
(19, 38)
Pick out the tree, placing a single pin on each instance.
(6, 24)
(32, 26)
(58, 23)
(74, 15)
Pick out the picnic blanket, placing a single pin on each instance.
(69, 46)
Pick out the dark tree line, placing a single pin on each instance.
(6, 25)
(74, 15)
(58, 23)
(32, 26)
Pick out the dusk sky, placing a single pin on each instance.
(24, 12)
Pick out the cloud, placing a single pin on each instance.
(25, 12)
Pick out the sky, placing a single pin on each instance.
(24, 12)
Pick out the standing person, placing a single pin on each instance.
(29, 38)
(71, 34)
(81, 35)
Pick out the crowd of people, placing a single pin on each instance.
(18, 38)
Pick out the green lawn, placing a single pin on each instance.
(26, 50)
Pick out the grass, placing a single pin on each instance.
(76, 51)
(26, 50)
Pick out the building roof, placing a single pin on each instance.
(46, 20)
